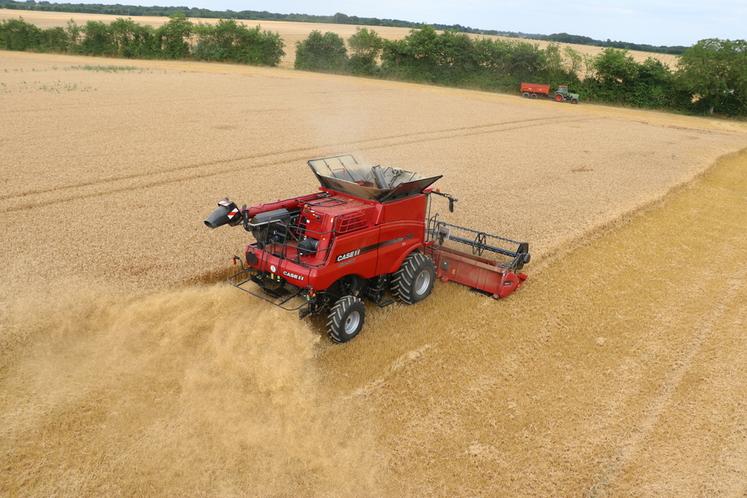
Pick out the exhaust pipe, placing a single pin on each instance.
(225, 213)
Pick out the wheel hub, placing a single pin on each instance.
(351, 322)
(422, 282)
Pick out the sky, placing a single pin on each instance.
(658, 22)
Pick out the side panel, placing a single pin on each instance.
(402, 231)
(354, 253)
(535, 88)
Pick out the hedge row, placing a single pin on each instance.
(710, 77)
(179, 38)
(338, 18)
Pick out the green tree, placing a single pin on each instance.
(216, 42)
(131, 39)
(55, 40)
(174, 36)
(267, 45)
(493, 55)
(715, 74)
(365, 47)
(321, 52)
(97, 39)
(526, 60)
(557, 69)
(574, 61)
(455, 57)
(615, 67)
(554, 65)
(421, 49)
(493, 61)
(654, 85)
(16, 34)
(613, 77)
(413, 57)
(74, 35)
(230, 41)
(254, 46)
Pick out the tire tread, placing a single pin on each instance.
(402, 283)
(335, 322)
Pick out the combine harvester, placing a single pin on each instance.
(368, 232)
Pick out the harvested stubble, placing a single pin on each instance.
(585, 380)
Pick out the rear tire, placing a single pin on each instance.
(558, 98)
(345, 319)
(525, 95)
(414, 281)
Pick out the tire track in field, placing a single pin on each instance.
(98, 129)
(167, 103)
(233, 169)
(653, 411)
(451, 132)
(137, 103)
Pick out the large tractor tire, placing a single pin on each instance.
(414, 281)
(345, 319)
(558, 98)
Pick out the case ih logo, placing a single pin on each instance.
(293, 275)
(348, 255)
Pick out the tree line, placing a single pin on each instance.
(710, 77)
(179, 38)
(338, 18)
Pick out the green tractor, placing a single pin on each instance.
(563, 95)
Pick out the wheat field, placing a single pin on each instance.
(124, 369)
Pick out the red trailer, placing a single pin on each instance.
(533, 90)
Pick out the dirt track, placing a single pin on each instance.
(617, 370)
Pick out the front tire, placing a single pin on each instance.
(345, 319)
(414, 281)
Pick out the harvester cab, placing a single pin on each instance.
(368, 233)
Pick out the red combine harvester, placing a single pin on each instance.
(368, 232)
